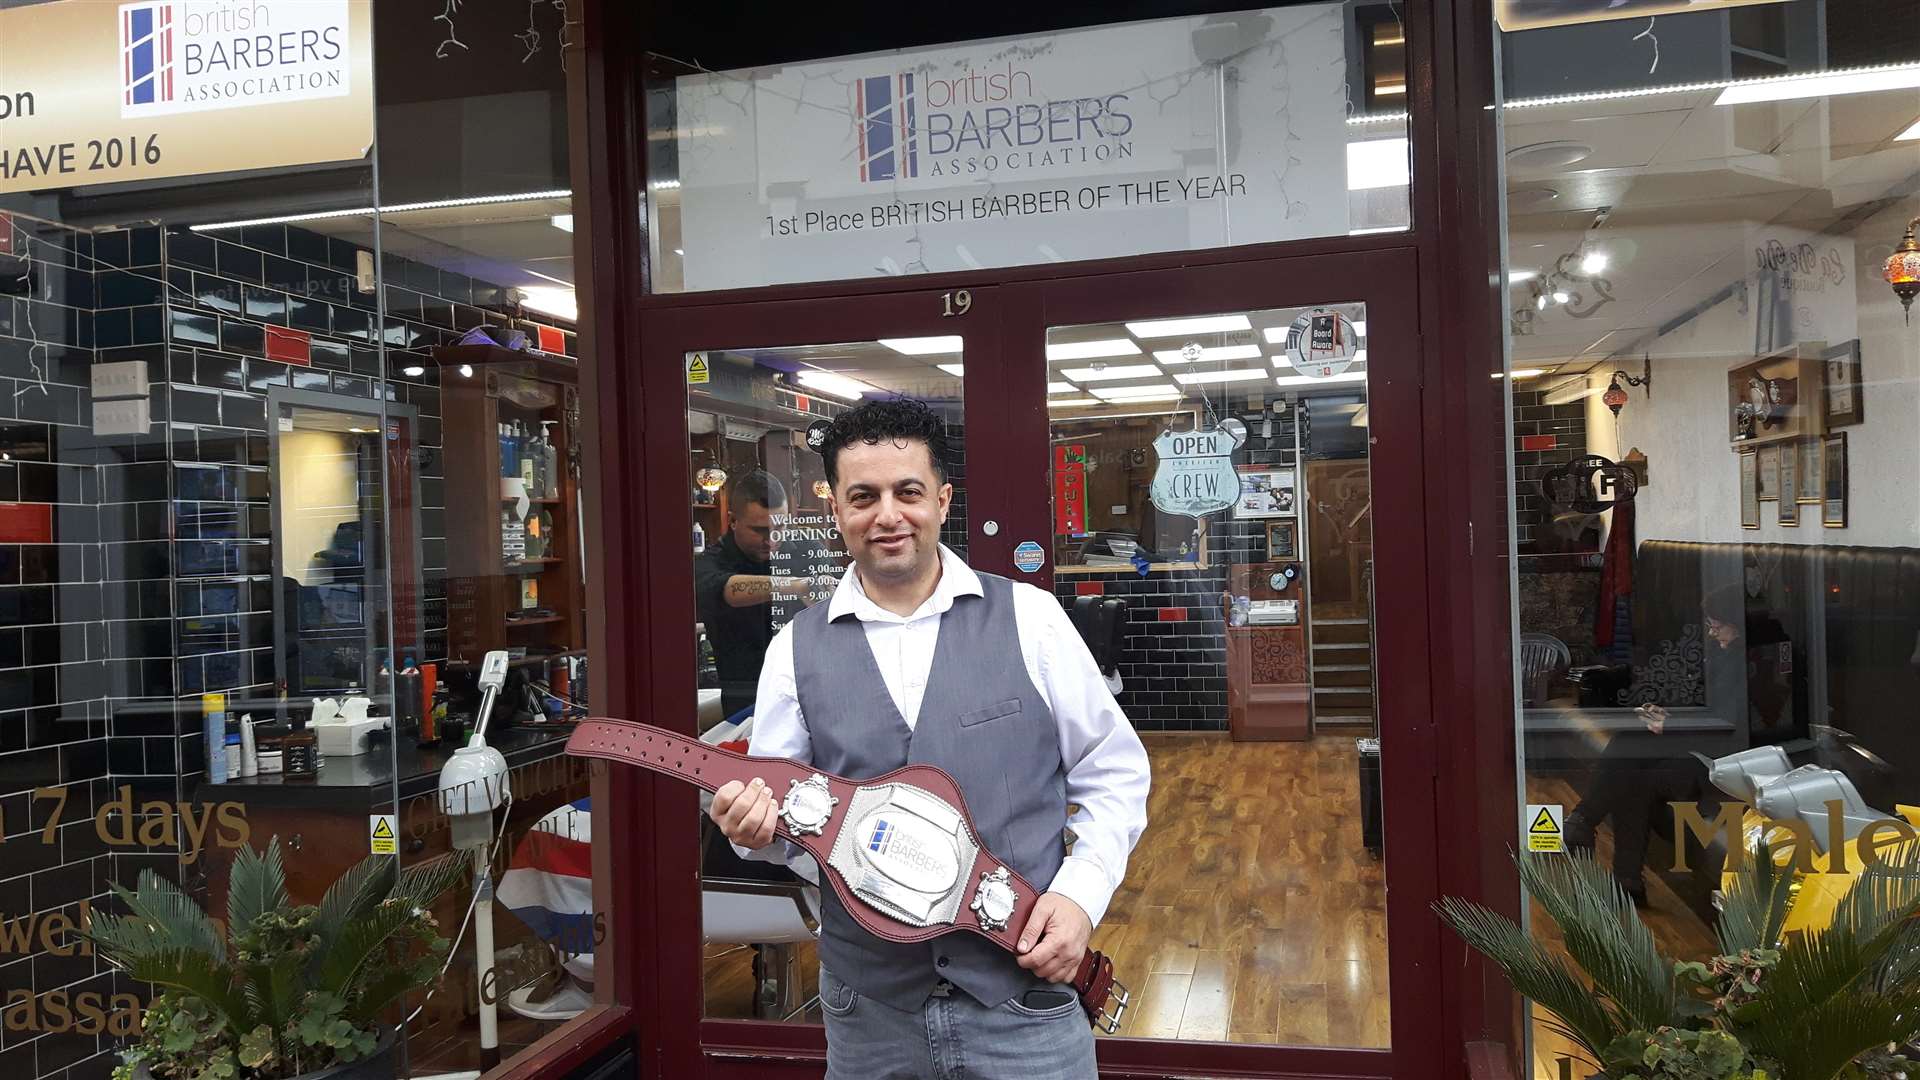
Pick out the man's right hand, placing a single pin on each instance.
(745, 813)
(1655, 717)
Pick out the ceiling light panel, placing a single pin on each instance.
(1211, 324)
(1112, 372)
(1092, 350)
(1209, 355)
(924, 346)
(1062, 388)
(1191, 378)
(958, 371)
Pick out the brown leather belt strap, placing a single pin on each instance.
(710, 767)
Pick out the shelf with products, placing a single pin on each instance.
(511, 425)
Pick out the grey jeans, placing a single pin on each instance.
(952, 1038)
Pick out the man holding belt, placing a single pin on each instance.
(919, 659)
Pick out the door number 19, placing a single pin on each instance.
(956, 303)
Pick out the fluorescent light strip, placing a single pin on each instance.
(1683, 88)
(1377, 118)
(1168, 394)
(924, 346)
(1376, 229)
(1308, 380)
(396, 208)
(958, 371)
(1822, 84)
(1092, 350)
(1190, 378)
(1106, 374)
(563, 222)
(1208, 355)
(1073, 403)
(1062, 388)
(1523, 373)
(1211, 324)
(836, 385)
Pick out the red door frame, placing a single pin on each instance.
(1004, 335)
(1454, 245)
(1385, 281)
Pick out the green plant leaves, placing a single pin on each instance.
(177, 922)
(1814, 1005)
(1604, 935)
(256, 886)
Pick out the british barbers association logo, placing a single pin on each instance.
(911, 124)
(181, 56)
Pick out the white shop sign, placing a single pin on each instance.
(1169, 135)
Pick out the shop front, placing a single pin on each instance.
(1450, 429)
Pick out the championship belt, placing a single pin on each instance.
(900, 849)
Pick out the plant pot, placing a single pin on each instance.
(382, 1064)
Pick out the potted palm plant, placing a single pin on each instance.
(1835, 1002)
(281, 990)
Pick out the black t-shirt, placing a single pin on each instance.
(739, 635)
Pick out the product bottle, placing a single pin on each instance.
(528, 453)
(234, 752)
(300, 752)
(550, 487)
(249, 750)
(213, 718)
(508, 467)
(429, 723)
(699, 538)
(406, 696)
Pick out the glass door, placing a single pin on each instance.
(1231, 511)
(737, 488)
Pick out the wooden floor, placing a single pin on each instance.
(1676, 929)
(1250, 912)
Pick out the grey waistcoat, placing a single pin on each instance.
(982, 721)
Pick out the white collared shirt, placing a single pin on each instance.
(1107, 772)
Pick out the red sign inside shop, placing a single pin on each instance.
(1070, 489)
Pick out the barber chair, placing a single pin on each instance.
(757, 905)
(1543, 658)
(1102, 623)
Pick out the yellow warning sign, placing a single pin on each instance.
(382, 834)
(697, 370)
(1545, 827)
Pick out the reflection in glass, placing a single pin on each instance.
(765, 547)
(1213, 541)
(1716, 513)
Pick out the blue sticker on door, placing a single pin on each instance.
(1028, 556)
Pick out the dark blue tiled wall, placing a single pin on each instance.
(1174, 668)
(155, 584)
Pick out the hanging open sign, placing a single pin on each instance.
(1322, 344)
(1195, 475)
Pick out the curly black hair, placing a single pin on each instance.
(899, 420)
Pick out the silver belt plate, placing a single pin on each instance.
(907, 852)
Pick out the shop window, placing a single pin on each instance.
(287, 457)
(1167, 135)
(1713, 459)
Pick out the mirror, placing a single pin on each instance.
(335, 459)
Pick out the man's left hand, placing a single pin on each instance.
(1055, 938)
